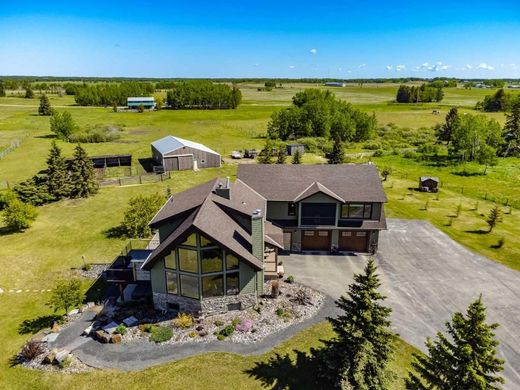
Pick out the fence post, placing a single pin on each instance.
(485, 196)
(140, 179)
(169, 174)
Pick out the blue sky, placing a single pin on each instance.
(343, 39)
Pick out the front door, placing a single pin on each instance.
(316, 240)
(355, 241)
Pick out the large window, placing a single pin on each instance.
(212, 286)
(188, 260)
(231, 262)
(232, 284)
(211, 260)
(356, 211)
(190, 286)
(169, 261)
(191, 240)
(171, 282)
(318, 214)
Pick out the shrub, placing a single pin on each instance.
(66, 294)
(19, 216)
(302, 297)
(31, 350)
(86, 267)
(290, 279)
(193, 334)
(410, 154)
(218, 322)
(96, 135)
(160, 334)
(372, 145)
(236, 321)
(221, 337)
(138, 214)
(280, 312)
(146, 328)
(275, 288)
(244, 326)
(183, 321)
(379, 153)
(6, 197)
(121, 329)
(66, 362)
(227, 331)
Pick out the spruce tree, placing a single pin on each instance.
(29, 94)
(266, 154)
(494, 217)
(445, 131)
(2, 89)
(337, 156)
(45, 108)
(512, 131)
(465, 358)
(83, 176)
(297, 157)
(359, 353)
(281, 157)
(58, 177)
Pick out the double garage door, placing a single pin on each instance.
(178, 163)
(321, 240)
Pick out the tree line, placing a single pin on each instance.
(110, 94)
(426, 93)
(499, 101)
(202, 94)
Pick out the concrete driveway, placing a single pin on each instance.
(427, 276)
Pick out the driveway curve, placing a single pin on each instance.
(427, 276)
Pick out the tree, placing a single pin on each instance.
(494, 217)
(281, 156)
(58, 176)
(297, 157)
(359, 353)
(139, 213)
(83, 177)
(62, 125)
(500, 101)
(34, 191)
(266, 154)
(19, 216)
(465, 358)
(337, 156)
(66, 295)
(29, 94)
(512, 131)
(445, 131)
(2, 89)
(385, 173)
(45, 108)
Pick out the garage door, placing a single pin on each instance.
(316, 240)
(353, 241)
(178, 163)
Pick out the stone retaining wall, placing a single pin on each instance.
(206, 306)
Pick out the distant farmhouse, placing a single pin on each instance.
(177, 154)
(514, 86)
(133, 103)
(292, 148)
(335, 84)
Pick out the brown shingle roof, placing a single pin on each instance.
(277, 182)
(314, 188)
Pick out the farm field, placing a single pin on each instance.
(66, 230)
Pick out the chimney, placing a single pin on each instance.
(224, 189)
(257, 244)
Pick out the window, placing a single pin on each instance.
(212, 286)
(232, 284)
(169, 261)
(368, 211)
(291, 208)
(318, 214)
(190, 286)
(188, 260)
(204, 242)
(231, 262)
(191, 240)
(171, 282)
(211, 260)
(356, 210)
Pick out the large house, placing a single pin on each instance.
(219, 241)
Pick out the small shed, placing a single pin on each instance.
(134, 102)
(177, 154)
(429, 184)
(292, 148)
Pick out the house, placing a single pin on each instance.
(428, 184)
(292, 148)
(321, 207)
(335, 84)
(133, 103)
(177, 154)
(216, 249)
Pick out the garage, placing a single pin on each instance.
(316, 240)
(178, 163)
(355, 241)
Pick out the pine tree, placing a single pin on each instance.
(337, 156)
(2, 89)
(363, 346)
(494, 217)
(45, 108)
(512, 131)
(297, 157)
(29, 94)
(83, 176)
(463, 359)
(58, 177)
(445, 131)
(266, 154)
(281, 157)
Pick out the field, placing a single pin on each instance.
(67, 230)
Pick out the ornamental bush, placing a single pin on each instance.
(160, 334)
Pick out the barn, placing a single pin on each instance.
(177, 154)
(429, 184)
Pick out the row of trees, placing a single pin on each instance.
(201, 94)
(499, 101)
(316, 113)
(110, 94)
(426, 93)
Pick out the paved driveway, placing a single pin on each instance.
(426, 277)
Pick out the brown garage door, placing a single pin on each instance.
(353, 241)
(316, 240)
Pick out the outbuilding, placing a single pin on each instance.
(429, 184)
(133, 103)
(292, 148)
(177, 154)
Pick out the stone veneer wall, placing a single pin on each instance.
(205, 306)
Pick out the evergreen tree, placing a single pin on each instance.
(445, 131)
(83, 176)
(337, 156)
(512, 131)
(29, 94)
(494, 217)
(281, 156)
(297, 157)
(359, 353)
(58, 177)
(45, 108)
(463, 359)
(2, 89)
(266, 154)
(34, 191)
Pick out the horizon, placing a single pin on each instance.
(261, 41)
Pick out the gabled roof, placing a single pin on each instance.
(314, 188)
(170, 143)
(285, 182)
(434, 178)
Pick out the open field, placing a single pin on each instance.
(66, 230)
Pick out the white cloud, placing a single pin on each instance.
(292, 66)
(362, 65)
(438, 66)
(514, 66)
(313, 51)
(389, 67)
(425, 65)
(485, 66)
(468, 66)
(400, 67)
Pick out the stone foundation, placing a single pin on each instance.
(206, 306)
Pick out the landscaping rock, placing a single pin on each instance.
(50, 338)
(130, 321)
(87, 331)
(72, 312)
(116, 338)
(61, 356)
(110, 328)
(90, 305)
(49, 358)
(199, 328)
(203, 333)
(103, 336)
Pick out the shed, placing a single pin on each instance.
(429, 183)
(147, 102)
(177, 154)
(292, 148)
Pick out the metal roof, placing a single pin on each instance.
(170, 143)
(140, 99)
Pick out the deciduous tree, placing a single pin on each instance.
(62, 125)
(139, 213)
(66, 295)
(18, 215)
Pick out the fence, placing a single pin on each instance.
(133, 180)
(14, 144)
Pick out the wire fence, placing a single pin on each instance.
(134, 180)
(12, 146)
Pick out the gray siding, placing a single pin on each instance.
(204, 159)
(247, 279)
(279, 210)
(167, 228)
(158, 278)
